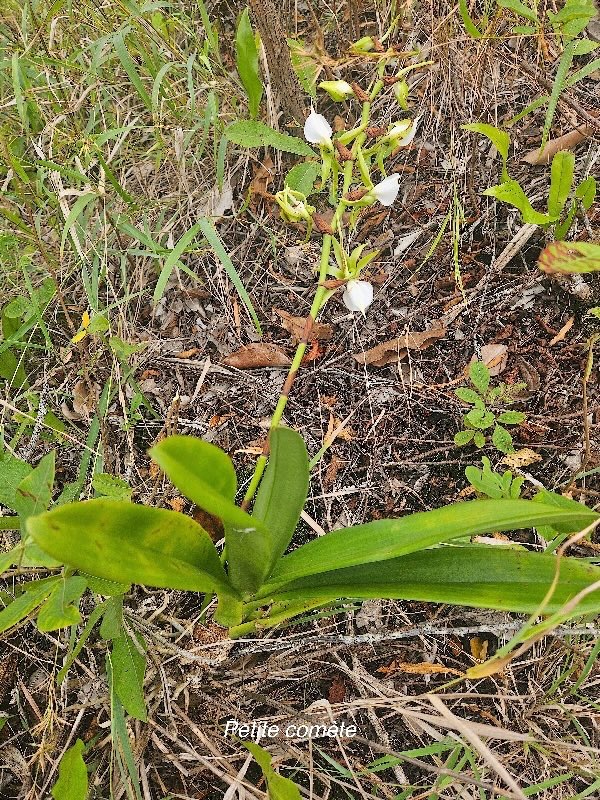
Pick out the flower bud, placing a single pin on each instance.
(387, 190)
(293, 206)
(337, 90)
(364, 45)
(358, 295)
(401, 90)
(317, 130)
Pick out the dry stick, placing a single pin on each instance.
(317, 305)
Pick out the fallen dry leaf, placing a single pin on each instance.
(177, 504)
(420, 668)
(263, 176)
(187, 353)
(295, 326)
(256, 355)
(397, 349)
(494, 356)
(563, 331)
(479, 648)
(85, 396)
(553, 146)
(522, 458)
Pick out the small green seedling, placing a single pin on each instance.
(482, 419)
(492, 484)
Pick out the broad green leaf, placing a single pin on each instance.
(282, 492)
(463, 437)
(511, 417)
(484, 482)
(59, 610)
(306, 64)
(511, 192)
(111, 486)
(129, 667)
(34, 593)
(279, 788)
(76, 647)
(519, 8)
(480, 418)
(106, 588)
(246, 56)
(302, 177)
(214, 240)
(563, 165)
(478, 439)
(72, 783)
(130, 543)
(502, 440)
(204, 474)
(384, 539)
(500, 139)
(573, 17)
(12, 472)
(34, 493)
(468, 395)
(570, 257)
(484, 577)
(479, 375)
(249, 133)
(112, 619)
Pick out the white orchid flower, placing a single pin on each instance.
(411, 133)
(358, 295)
(317, 130)
(387, 190)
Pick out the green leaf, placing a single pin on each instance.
(563, 165)
(212, 237)
(478, 439)
(112, 619)
(479, 576)
(511, 192)
(12, 472)
(502, 440)
(279, 788)
(519, 8)
(479, 375)
(302, 177)
(480, 418)
(129, 67)
(470, 26)
(130, 543)
(500, 139)
(384, 539)
(463, 437)
(511, 417)
(111, 486)
(484, 481)
(558, 85)
(59, 610)
(204, 474)
(129, 668)
(72, 783)
(468, 396)
(281, 495)
(249, 133)
(34, 493)
(246, 56)
(570, 257)
(172, 260)
(586, 191)
(34, 594)
(79, 207)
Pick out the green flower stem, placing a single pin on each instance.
(321, 296)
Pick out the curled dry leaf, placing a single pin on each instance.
(85, 397)
(553, 146)
(563, 331)
(397, 349)
(256, 355)
(296, 326)
(494, 356)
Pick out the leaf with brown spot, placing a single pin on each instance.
(256, 355)
(397, 349)
(574, 257)
(296, 326)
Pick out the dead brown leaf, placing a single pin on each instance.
(420, 668)
(263, 176)
(85, 396)
(187, 353)
(256, 355)
(296, 325)
(494, 356)
(553, 146)
(479, 648)
(522, 458)
(397, 349)
(563, 331)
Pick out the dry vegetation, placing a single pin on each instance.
(75, 125)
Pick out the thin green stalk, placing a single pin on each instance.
(321, 296)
